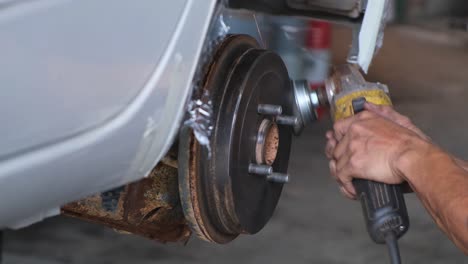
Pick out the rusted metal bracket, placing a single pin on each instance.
(150, 207)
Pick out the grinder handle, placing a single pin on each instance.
(383, 204)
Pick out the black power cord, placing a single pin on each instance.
(393, 250)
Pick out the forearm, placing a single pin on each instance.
(442, 185)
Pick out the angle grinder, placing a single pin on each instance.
(346, 92)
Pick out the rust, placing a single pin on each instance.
(193, 181)
(170, 162)
(150, 207)
(204, 205)
(171, 157)
(271, 144)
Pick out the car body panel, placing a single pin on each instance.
(100, 97)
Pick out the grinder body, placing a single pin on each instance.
(383, 205)
(346, 92)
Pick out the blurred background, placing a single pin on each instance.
(424, 60)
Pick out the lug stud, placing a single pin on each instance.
(278, 178)
(260, 169)
(287, 120)
(268, 109)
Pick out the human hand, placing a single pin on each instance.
(384, 111)
(390, 113)
(369, 146)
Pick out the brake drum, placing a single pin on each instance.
(231, 184)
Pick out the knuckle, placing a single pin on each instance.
(339, 177)
(354, 146)
(337, 126)
(355, 128)
(354, 163)
(336, 154)
(365, 115)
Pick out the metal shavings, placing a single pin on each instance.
(200, 120)
(200, 108)
(223, 28)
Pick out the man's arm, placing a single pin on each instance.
(381, 147)
(442, 186)
(389, 113)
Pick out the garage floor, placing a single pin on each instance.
(313, 222)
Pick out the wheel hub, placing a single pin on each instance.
(267, 144)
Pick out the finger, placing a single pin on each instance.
(343, 161)
(389, 113)
(386, 111)
(342, 147)
(401, 119)
(347, 193)
(330, 134)
(341, 127)
(406, 123)
(373, 108)
(383, 110)
(330, 148)
(345, 175)
(349, 187)
(343, 190)
(332, 166)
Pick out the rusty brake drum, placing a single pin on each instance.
(232, 184)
